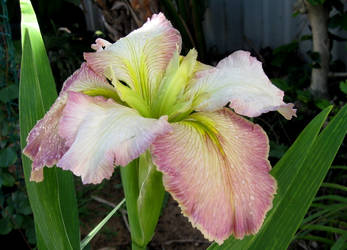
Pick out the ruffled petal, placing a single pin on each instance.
(240, 80)
(44, 146)
(101, 134)
(223, 188)
(140, 58)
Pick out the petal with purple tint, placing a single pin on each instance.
(101, 134)
(223, 187)
(44, 145)
(240, 80)
(140, 58)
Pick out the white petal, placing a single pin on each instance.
(240, 80)
(102, 134)
(140, 58)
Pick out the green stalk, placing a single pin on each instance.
(129, 175)
(136, 247)
(144, 194)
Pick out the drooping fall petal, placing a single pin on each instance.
(101, 134)
(44, 145)
(240, 80)
(140, 58)
(222, 188)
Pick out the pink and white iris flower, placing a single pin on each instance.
(139, 94)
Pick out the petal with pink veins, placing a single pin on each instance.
(101, 134)
(140, 58)
(44, 145)
(239, 79)
(223, 189)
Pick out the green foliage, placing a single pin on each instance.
(53, 201)
(16, 215)
(90, 236)
(326, 215)
(343, 86)
(299, 174)
(338, 21)
(187, 17)
(141, 182)
(316, 2)
(289, 72)
(9, 93)
(7, 157)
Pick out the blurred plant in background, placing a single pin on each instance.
(16, 215)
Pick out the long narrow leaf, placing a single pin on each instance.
(340, 243)
(53, 201)
(335, 186)
(339, 167)
(332, 197)
(325, 229)
(299, 174)
(325, 212)
(92, 233)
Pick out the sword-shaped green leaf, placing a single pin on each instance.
(53, 201)
(299, 175)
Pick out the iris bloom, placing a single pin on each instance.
(139, 94)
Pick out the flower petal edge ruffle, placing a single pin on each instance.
(101, 134)
(220, 194)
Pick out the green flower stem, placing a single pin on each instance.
(144, 193)
(129, 175)
(151, 195)
(134, 246)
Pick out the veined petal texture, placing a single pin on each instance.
(239, 80)
(44, 145)
(101, 134)
(222, 191)
(140, 58)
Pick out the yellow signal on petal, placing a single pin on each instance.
(207, 127)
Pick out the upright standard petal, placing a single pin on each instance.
(223, 187)
(101, 134)
(44, 145)
(140, 58)
(239, 80)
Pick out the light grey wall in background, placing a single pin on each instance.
(230, 25)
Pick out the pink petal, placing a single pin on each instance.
(44, 146)
(144, 52)
(240, 80)
(100, 44)
(85, 79)
(102, 134)
(221, 194)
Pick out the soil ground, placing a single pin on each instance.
(174, 231)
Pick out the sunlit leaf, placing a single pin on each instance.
(53, 201)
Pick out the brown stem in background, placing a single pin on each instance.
(318, 17)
